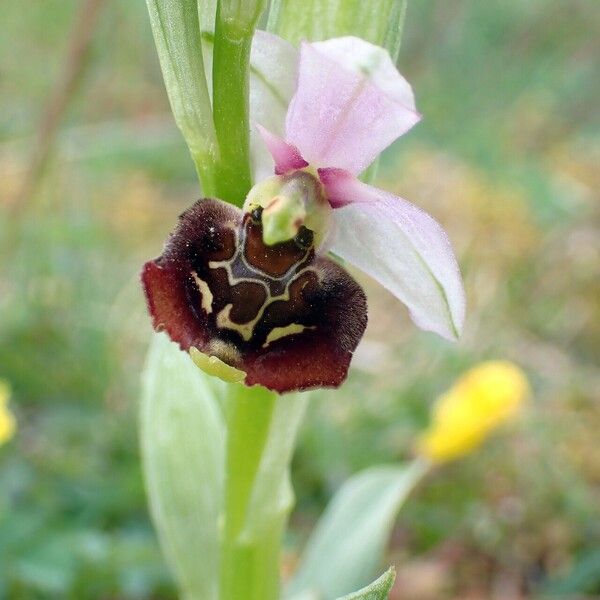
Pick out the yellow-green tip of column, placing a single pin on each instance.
(289, 202)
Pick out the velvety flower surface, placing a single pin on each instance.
(287, 318)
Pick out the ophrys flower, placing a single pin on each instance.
(254, 288)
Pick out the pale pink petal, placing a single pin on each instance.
(287, 157)
(342, 118)
(360, 56)
(401, 247)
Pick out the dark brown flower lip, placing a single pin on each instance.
(289, 319)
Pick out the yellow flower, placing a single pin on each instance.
(7, 420)
(481, 400)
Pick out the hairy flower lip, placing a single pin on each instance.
(291, 322)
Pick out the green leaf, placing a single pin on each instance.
(183, 445)
(347, 545)
(583, 577)
(176, 30)
(378, 590)
(207, 11)
(377, 21)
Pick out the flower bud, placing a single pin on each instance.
(480, 401)
(7, 420)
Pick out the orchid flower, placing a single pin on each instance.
(251, 293)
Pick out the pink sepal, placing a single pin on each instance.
(286, 156)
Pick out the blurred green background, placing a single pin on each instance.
(506, 158)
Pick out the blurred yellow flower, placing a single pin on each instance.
(7, 420)
(480, 401)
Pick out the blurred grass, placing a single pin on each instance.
(506, 158)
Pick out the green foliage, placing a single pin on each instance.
(377, 21)
(176, 29)
(583, 577)
(505, 157)
(183, 451)
(210, 523)
(378, 590)
(347, 545)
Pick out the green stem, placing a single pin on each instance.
(231, 66)
(249, 563)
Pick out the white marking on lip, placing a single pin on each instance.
(207, 296)
(280, 332)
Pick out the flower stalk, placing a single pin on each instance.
(234, 29)
(216, 461)
(249, 564)
(261, 436)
